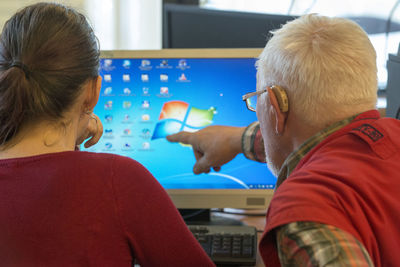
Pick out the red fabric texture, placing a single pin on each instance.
(88, 209)
(351, 180)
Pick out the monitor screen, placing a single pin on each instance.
(147, 95)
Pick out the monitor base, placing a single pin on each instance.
(204, 217)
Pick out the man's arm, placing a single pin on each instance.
(316, 244)
(214, 146)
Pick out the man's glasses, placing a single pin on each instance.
(251, 99)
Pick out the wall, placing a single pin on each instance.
(9, 7)
(126, 24)
(119, 24)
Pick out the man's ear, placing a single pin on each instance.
(93, 93)
(280, 116)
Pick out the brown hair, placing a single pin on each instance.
(47, 52)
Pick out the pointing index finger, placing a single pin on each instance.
(181, 137)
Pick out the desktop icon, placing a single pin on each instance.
(127, 91)
(127, 146)
(108, 118)
(107, 63)
(108, 132)
(145, 104)
(164, 90)
(164, 77)
(127, 131)
(126, 77)
(146, 145)
(182, 78)
(127, 118)
(108, 145)
(108, 105)
(107, 78)
(145, 117)
(108, 91)
(164, 63)
(146, 133)
(145, 90)
(127, 104)
(145, 77)
(182, 63)
(145, 63)
(126, 64)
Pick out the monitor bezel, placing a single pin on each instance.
(184, 53)
(204, 198)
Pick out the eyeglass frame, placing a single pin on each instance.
(247, 96)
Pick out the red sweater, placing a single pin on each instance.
(88, 209)
(351, 180)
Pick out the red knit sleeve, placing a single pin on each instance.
(153, 225)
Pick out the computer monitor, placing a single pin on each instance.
(195, 27)
(392, 90)
(147, 95)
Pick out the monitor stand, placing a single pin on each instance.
(205, 217)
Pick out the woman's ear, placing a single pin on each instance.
(92, 93)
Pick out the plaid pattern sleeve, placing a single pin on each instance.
(316, 244)
(252, 143)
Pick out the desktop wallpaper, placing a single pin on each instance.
(144, 100)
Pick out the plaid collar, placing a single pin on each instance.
(294, 158)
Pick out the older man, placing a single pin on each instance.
(337, 201)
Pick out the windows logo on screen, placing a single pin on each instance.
(179, 116)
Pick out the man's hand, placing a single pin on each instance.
(213, 146)
(93, 131)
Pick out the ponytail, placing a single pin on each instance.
(47, 52)
(14, 96)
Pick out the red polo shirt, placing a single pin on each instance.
(351, 180)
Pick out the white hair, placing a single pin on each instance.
(327, 66)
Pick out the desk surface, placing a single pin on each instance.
(256, 221)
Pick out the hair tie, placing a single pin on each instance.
(22, 66)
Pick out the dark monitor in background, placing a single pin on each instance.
(186, 26)
(195, 27)
(393, 86)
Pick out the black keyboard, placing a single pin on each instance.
(228, 245)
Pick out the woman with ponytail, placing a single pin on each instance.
(60, 206)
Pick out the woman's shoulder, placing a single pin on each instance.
(110, 159)
(126, 173)
(118, 169)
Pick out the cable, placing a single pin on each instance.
(388, 24)
(310, 7)
(193, 214)
(238, 213)
(291, 7)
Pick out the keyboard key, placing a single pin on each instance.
(231, 245)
